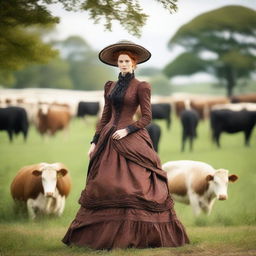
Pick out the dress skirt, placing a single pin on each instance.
(126, 202)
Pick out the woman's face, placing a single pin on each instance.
(125, 64)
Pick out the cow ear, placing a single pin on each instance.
(37, 173)
(209, 177)
(62, 172)
(232, 178)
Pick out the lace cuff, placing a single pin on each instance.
(131, 129)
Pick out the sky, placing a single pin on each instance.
(160, 27)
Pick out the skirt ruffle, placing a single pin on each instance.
(125, 228)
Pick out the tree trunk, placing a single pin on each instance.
(231, 80)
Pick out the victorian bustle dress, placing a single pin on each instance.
(126, 202)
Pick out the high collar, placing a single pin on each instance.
(126, 77)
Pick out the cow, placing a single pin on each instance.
(197, 184)
(250, 97)
(14, 120)
(204, 106)
(162, 111)
(200, 107)
(154, 131)
(179, 106)
(88, 108)
(189, 120)
(225, 120)
(52, 118)
(43, 187)
(236, 106)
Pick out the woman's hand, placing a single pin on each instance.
(119, 134)
(91, 149)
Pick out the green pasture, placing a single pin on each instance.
(229, 230)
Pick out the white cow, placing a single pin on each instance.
(44, 187)
(197, 183)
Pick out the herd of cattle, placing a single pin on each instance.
(17, 114)
(43, 187)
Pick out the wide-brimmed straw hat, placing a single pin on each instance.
(107, 55)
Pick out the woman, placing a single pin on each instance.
(126, 201)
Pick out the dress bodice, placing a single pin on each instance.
(122, 112)
(121, 115)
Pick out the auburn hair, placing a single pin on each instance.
(132, 55)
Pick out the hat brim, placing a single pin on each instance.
(107, 54)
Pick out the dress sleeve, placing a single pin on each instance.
(144, 95)
(106, 114)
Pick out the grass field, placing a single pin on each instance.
(229, 230)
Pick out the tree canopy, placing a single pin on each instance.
(20, 41)
(128, 13)
(185, 64)
(22, 23)
(77, 67)
(222, 41)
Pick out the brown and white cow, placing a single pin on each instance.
(43, 187)
(52, 118)
(197, 183)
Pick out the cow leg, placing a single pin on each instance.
(168, 123)
(66, 133)
(217, 139)
(25, 135)
(25, 130)
(52, 132)
(194, 202)
(191, 143)
(61, 205)
(184, 137)
(48, 205)
(31, 208)
(154, 141)
(10, 135)
(247, 137)
(209, 208)
(155, 146)
(205, 205)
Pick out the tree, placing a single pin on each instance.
(54, 74)
(127, 12)
(160, 85)
(73, 48)
(22, 45)
(185, 64)
(20, 41)
(228, 34)
(86, 72)
(77, 68)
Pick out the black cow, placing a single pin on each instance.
(189, 120)
(154, 131)
(229, 121)
(88, 108)
(14, 120)
(162, 111)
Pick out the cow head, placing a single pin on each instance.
(219, 183)
(43, 108)
(49, 174)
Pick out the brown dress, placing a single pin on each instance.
(126, 202)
